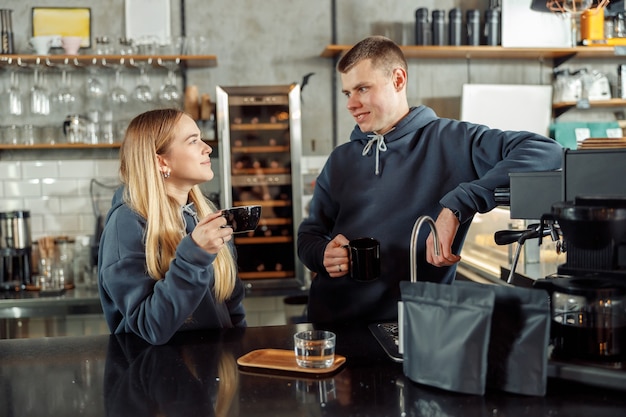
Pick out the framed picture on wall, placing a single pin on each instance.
(63, 21)
(146, 19)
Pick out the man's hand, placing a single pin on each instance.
(336, 259)
(447, 225)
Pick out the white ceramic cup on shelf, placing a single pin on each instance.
(41, 44)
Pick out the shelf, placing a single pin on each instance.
(264, 203)
(266, 274)
(262, 239)
(191, 61)
(614, 102)
(259, 149)
(258, 126)
(562, 107)
(494, 52)
(62, 146)
(260, 171)
(274, 221)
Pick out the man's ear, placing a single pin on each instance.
(399, 78)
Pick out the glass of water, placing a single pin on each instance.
(314, 348)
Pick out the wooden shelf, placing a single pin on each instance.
(191, 61)
(264, 203)
(614, 102)
(494, 52)
(266, 274)
(562, 107)
(258, 126)
(260, 171)
(62, 146)
(259, 149)
(262, 240)
(274, 221)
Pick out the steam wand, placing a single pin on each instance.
(536, 230)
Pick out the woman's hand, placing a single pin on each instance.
(210, 233)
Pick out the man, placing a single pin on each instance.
(401, 163)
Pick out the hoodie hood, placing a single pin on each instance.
(375, 143)
(188, 211)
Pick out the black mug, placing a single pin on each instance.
(364, 256)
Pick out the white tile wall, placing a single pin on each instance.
(55, 192)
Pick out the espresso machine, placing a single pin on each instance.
(582, 208)
(15, 250)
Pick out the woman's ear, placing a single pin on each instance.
(162, 163)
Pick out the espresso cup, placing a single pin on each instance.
(243, 218)
(41, 44)
(364, 256)
(71, 44)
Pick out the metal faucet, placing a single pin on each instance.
(416, 228)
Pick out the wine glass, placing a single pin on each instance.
(169, 95)
(142, 95)
(119, 106)
(13, 94)
(95, 90)
(118, 96)
(65, 100)
(39, 96)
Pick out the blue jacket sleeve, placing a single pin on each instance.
(133, 301)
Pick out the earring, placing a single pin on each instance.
(166, 174)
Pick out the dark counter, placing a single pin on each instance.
(196, 375)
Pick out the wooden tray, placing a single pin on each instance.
(285, 361)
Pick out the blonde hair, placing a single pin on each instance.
(148, 135)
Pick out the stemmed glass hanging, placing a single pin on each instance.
(12, 96)
(39, 96)
(142, 95)
(95, 92)
(118, 105)
(65, 100)
(169, 94)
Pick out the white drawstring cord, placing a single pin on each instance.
(381, 146)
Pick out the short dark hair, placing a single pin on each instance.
(383, 52)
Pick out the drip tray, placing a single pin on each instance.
(606, 375)
(387, 336)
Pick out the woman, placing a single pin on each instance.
(160, 269)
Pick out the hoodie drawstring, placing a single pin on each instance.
(381, 146)
(190, 209)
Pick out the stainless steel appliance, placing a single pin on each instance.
(15, 250)
(260, 138)
(584, 210)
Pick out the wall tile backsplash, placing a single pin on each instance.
(56, 192)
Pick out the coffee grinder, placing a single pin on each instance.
(15, 250)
